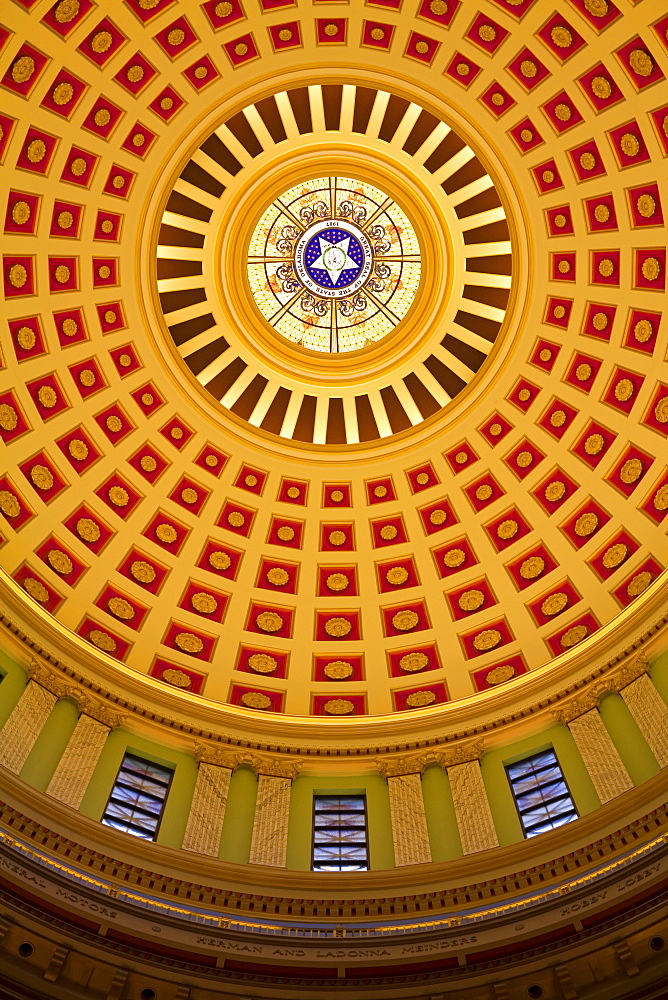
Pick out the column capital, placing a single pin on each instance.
(223, 756)
(394, 767)
(463, 753)
(275, 767)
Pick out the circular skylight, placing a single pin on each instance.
(334, 264)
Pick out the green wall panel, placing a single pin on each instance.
(239, 815)
(304, 787)
(175, 817)
(441, 818)
(50, 744)
(12, 686)
(625, 733)
(502, 804)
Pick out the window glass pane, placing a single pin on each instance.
(541, 794)
(137, 800)
(340, 833)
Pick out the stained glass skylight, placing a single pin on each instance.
(334, 264)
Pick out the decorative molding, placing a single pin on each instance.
(207, 809)
(415, 763)
(19, 733)
(651, 713)
(63, 687)
(269, 842)
(76, 766)
(600, 756)
(409, 822)
(474, 817)
(260, 763)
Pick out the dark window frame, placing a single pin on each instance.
(534, 764)
(356, 864)
(152, 827)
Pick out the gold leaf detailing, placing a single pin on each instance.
(615, 555)
(78, 166)
(188, 642)
(559, 312)
(262, 663)
(600, 321)
(573, 636)
(205, 603)
(114, 423)
(201, 72)
(18, 276)
(651, 268)
(250, 480)
(624, 389)
(211, 461)
(606, 267)
(69, 326)
(487, 33)
(380, 492)
(336, 496)
(236, 519)
(26, 338)
(62, 93)
(101, 42)
(241, 49)
(601, 87)
(337, 581)
(500, 674)
(21, 212)
(177, 678)
(422, 478)
(417, 699)
(269, 621)
(23, 69)
(339, 706)
(597, 8)
(471, 600)
(553, 604)
(42, 477)
(587, 161)
(119, 496)
(190, 496)
(102, 117)
(9, 418)
(563, 112)
(223, 9)
(629, 144)
(453, 558)
(66, 11)
(532, 567)
(294, 492)
(88, 529)
(524, 395)
(337, 538)
(561, 36)
(338, 670)
(583, 372)
(9, 504)
(87, 377)
(176, 36)
(558, 418)
(594, 444)
(554, 491)
(62, 274)
(36, 589)
(438, 516)
(102, 640)
(255, 699)
(640, 582)
(142, 571)
(507, 529)
(484, 492)
(59, 561)
(646, 207)
(661, 410)
(397, 575)
(641, 62)
(586, 524)
(643, 330)
(338, 627)
(524, 459)
(147, 399)
(487, 639)
(412, 662)
(461, 458)
(219, 560)
(121, 608)
(166, 533)
(36, 151)
(405, 620)
(285, 533)
(631, 471)
(278, 576)
(564, 266)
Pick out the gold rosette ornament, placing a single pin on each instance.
(639, 583)
(142, 571)
(262, 663)
(102, 640)
(59, 561)
(36, 589)
(586, 524)
(255, 699)
(205, 603)
(404, 621)
(9, 418)
(188, 642)
(339, 706)
(338, 627)
(438, 516)
(615, 555)
(338, 670)
(412, 662)
(471, 600)
(277, 576)
(487, 639)
(396, 575)
(166, 533)
(500, 674)
(88, 529)
(418, 699)
(454, 558)
(177, 678)
(219, 560)
(532, 567)
(121, 608)
(269, 621)
(554, 604)
(573, 636)
(9, 504)
(337, 581)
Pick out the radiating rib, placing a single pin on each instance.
(452, 165)
(431, 142)
(488, 249)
